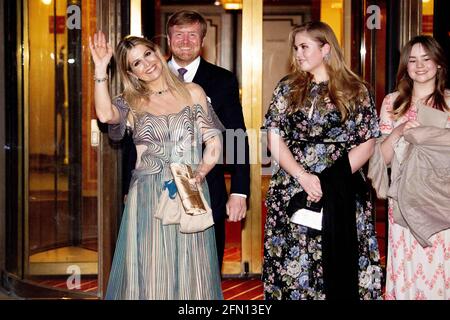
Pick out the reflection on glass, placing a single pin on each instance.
(62, 210)
(331, 12)
(427, 17)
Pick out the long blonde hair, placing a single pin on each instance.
(135, 90)
(405, 84)
(345, 88)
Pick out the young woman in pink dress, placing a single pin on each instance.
(414, 271)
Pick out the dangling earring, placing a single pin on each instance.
(326, 57)
(438, 71)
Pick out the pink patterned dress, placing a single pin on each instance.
(413, 272)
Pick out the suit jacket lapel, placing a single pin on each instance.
(201, 76)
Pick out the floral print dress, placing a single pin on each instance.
(316, 137)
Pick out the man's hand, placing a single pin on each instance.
(236, 208)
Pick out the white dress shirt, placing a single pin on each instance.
(191, 68)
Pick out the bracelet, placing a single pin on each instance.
(201, 174)
(99, 80)
(299, 175)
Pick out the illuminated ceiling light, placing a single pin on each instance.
(425, 1)
(336, 5)
(46, 2)
(135, 18)
(217, 3)
(232, 4)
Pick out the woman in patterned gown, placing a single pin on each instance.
(413, 271)
(318, 113)
(170, 120)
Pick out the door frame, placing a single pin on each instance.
(113, 18)
(252, 43)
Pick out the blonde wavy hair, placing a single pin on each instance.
(136, 92)
(345, 88)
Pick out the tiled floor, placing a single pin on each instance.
(242, 289)
(233, 289)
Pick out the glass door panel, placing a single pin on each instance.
(61, 212)
(278, 21)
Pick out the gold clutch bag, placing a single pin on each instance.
(191, 197)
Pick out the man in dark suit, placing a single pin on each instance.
(186, 31)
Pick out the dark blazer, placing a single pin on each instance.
(222, 87)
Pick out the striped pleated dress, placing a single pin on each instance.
(153, 261)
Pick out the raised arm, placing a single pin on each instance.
(101, 52)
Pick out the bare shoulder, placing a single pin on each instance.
(197, 93)
(194, 89)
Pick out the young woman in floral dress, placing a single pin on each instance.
(318, 114)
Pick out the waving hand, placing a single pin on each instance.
(101, 51)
